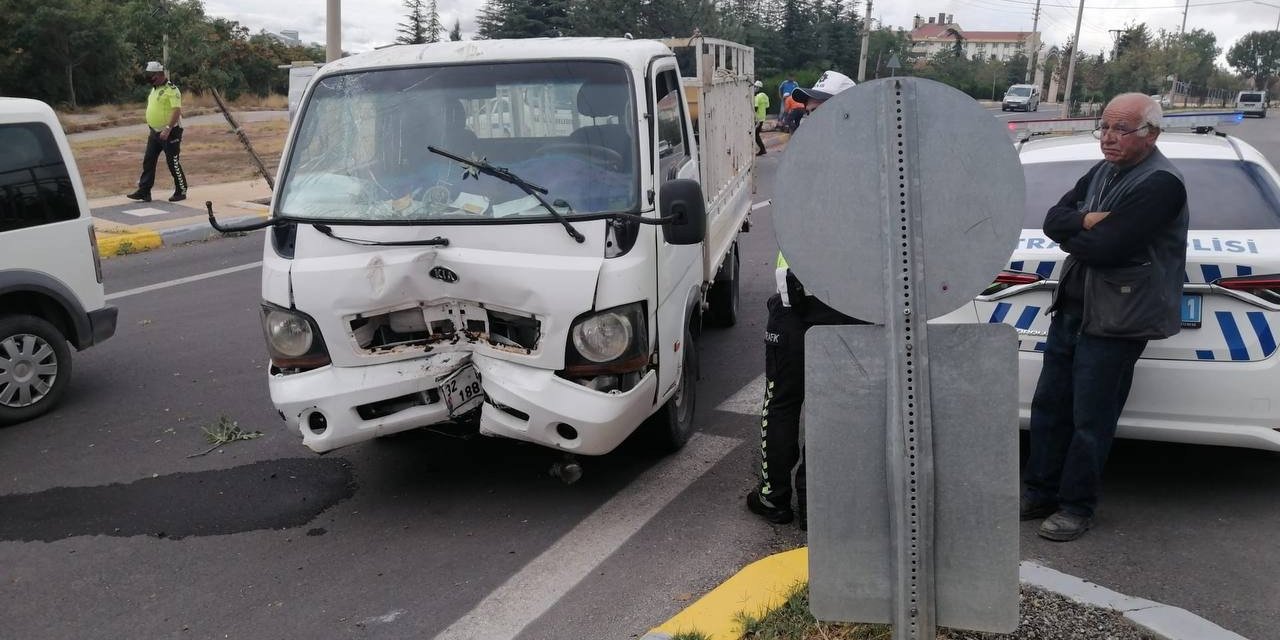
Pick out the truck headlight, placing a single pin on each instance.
(603, 337)
(289, 333)
(611, 341)
(293, 339)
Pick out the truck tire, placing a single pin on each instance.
(669, 429)
(723, 297)
(35, 367)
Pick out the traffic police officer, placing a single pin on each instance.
(164, 118)
(791, 313)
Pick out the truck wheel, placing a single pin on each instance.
(724, 294)
(35, 367)
(671, 426)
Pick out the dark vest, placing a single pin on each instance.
(1142, 300)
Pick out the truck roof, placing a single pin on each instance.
(27, 110)
(637, 53)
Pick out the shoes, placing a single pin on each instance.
(1064, 527)
(760, 153)
(761, 506)
(1035, 510)
(178, 196)
(140, 196)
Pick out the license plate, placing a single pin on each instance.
(1192, 308)
(462, 391)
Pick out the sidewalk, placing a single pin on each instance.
(124, 226)
(765, 584)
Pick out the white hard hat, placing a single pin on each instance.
(154, 67)
(759, 84)
(831, 83)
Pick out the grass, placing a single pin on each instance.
(792, 621)
(224, 431)
(690, 635)
(211, 154)
(116, 115)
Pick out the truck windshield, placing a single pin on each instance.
(1021, 92)
(361, 148)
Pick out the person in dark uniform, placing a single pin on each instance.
(164, 118)
(791, 313)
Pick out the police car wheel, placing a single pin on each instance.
(669, 429)
(35, 367)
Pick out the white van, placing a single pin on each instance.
(1021, 97)
(50, 276)
(1252, 103)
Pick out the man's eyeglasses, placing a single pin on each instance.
(1103, 130)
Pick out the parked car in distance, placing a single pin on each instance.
(1021, 97)
(1252, 103)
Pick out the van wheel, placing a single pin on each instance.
(669, 429)
(35, 367)
(724, 294)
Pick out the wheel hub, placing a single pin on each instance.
(28, 368)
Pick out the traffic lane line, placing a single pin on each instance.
(539, 585)
(181, 281)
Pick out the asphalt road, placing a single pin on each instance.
(109, 529)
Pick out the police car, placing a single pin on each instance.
(1218, 381)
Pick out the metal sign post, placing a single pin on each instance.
(905, 198)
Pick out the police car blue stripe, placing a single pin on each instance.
(1045, 269)
(1186, 277)
(1242, 270)
(1016, 265)
(1041, 345)
(1260, 326)
(1028, 316)
(1232, 333)
(1002, 310)
(1211, 272)
(1204, 354)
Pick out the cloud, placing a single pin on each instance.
(366, 24)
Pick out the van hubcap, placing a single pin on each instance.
(28, 368)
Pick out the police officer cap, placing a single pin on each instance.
(154, 67)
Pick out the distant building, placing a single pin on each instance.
(288, 38)
(940, 34)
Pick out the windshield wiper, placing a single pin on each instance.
(504, 175)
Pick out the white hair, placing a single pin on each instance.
(1152, 114)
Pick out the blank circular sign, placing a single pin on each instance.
(885, 151)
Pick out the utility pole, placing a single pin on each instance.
(866, 41)
(1185, 7)
(333, 31)
(1035, 49)
(1071, 67)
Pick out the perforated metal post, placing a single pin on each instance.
(909, 430)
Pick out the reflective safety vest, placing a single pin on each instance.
(780, 277)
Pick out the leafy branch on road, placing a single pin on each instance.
(224, 431)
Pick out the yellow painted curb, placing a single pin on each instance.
(115, 244)
(757, 589)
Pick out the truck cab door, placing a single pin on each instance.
(679, 275)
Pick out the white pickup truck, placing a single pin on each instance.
(526, 235)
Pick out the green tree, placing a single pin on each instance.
(1257, 56)
(455, 34)
(523, 19)
(61, 50)
(422, 23)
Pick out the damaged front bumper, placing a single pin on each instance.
(334, 407)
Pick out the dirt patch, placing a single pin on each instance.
(211, 154)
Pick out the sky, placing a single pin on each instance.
(370, 23)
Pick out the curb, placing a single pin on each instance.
(116, 244)
(762, 585)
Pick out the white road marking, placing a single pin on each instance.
(546, 579)
(761, 205)
(748, 400)
(173, 283)
(146, 212)
(387, 619)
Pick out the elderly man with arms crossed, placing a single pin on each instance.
(1124, 226)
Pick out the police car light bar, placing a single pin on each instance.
(1198, 122)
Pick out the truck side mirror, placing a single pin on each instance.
(683, 205)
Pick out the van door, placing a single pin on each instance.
(679, 267)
